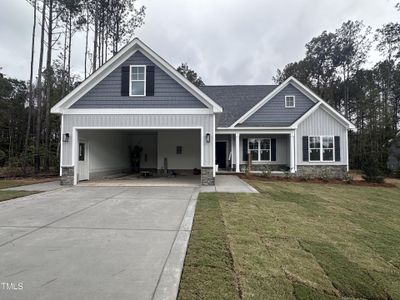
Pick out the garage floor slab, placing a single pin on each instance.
(96, 242)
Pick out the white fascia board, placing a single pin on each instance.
(288, 131)
(170, 70)
(238, 129)
(329, 108)
(312, 96)
(120, 57)
(255, 130)
(138, 111)
(95, 78)
(306, 115)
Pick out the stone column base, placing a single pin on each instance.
(207, 177)
(67, 176)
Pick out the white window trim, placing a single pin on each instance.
(294, 101)
(259, 149)
(132, 80)
(321, 148)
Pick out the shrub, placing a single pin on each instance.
(307, 175)
(245, 169)
(325, 175)
(372, 170)
(347, 178)
(266, 172)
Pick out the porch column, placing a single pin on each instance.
(232, 152)
(237, 153)
(292, 152)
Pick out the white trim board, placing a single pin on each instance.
(138, 111)
(288, 131)
(75, 141)
(135, 45)
(313, 97)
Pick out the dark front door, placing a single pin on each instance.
(220, 153)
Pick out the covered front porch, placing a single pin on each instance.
(255, 151)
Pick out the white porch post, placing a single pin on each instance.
(292, 152)
(75, 154)
(232, 152)
(237, 153)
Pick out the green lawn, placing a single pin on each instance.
(7, 195)
(8, 183)
(295, 241)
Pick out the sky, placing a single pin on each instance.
(224, 41)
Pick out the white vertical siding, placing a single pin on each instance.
(204, 121)
(321, 123)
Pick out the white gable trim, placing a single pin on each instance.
(313, 97)
(119, 58)
(306, 115)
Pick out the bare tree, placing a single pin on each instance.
(39, 91)
(30, 109)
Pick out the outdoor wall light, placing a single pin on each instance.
(65, 137)
(208, 137)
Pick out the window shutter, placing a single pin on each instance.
(150, 81)
(305, 148)
(273, 149)
(125, 81)
(337, 148)
(245, 149)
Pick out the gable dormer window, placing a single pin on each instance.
(290, 102)
(137, 86)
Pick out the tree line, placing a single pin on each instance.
(335, 68)
(29, 134)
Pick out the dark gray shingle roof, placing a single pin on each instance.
(236, 100)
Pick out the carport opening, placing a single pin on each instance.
(127, 155)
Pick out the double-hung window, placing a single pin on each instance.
(260, 149)
(137, 85)
(321, 148)
(327, 148)
(290, 101)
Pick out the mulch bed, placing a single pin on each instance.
(316, 180)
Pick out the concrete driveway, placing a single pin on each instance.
(95, 243)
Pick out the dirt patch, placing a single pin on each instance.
(317, 180)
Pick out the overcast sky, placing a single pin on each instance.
(225, 41)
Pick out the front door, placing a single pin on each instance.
(83, 161)
(220, 153)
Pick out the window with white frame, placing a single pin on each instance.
(137, 85)
(321, 148)
(327, 148)
(260, 149)
(290, 101)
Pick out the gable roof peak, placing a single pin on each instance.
(305, 90)
(113, 63)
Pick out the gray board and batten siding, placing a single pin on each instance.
(167, 92)
(275, 114)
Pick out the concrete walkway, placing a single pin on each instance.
(96, 242)
(229, 184)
